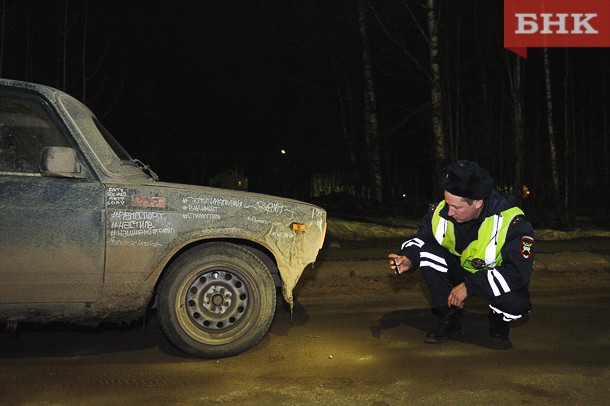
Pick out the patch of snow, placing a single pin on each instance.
(361, 231)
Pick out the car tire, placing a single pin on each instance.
(216, 300)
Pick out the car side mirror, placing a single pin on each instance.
(60, 162)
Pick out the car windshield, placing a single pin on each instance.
(112, 142)
(107, 149)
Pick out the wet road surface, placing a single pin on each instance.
(355, 337)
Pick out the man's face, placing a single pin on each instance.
(460, 210)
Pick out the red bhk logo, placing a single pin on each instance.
(555, 23)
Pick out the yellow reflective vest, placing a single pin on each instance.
(486, 249)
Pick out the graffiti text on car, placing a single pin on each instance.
(201, 216)
(213, 201)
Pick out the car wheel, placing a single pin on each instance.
(216, 300)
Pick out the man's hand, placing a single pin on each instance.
(399, 264)
(457, 296)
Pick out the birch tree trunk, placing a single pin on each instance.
(84, 58)
(64, 65)
(567, 135)
(371, 127)
(517, 95)
(28, 47)
(556, 193)
(2, 35)
(605, 126)
(436, 92)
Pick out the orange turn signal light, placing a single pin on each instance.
(298, 227)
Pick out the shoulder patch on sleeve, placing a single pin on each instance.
(527, 243)
(518, 218)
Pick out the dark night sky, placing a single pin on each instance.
(197, 87)
(204, 79)
(192, 87)
(235, 83)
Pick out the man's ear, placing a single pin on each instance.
(478, 204)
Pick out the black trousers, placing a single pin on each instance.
(442, 271)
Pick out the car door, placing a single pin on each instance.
(51, 228)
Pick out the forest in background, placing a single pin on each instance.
(368, 98)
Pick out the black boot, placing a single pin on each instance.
(498, 328)
(449, 324)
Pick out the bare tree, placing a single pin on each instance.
(605, 125)
(66, 24)
(28, 47)
(371, 126)
(556, 192)
(436, 94)
(84, 58)
(568, 133)
(2, 22)
(65, 29)
(453, 109)
(519, 128)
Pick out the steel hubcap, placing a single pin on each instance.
(216, 300)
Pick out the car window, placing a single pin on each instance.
(25, 129)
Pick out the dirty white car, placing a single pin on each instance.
(88, 234)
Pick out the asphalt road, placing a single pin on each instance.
(355, 337)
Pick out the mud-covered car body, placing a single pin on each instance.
(87, 234)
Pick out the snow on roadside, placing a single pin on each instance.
(360, 231)
(554, 235)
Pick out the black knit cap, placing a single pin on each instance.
(467, 179)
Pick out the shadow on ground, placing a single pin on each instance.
(475, 326)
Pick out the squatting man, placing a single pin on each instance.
(476, 242)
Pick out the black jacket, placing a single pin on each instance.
(517, 253)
